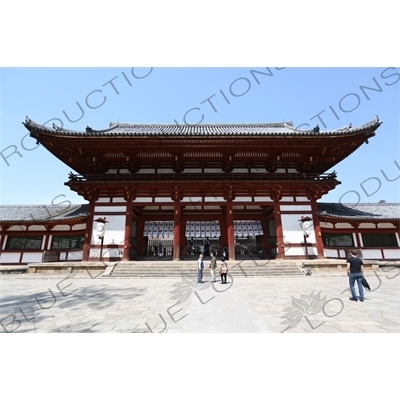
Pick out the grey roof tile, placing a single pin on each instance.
(45, 213)
(361, 211)
(124, 129)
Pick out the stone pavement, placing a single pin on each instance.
(292, 304)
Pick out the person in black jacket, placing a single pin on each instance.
(355, 271)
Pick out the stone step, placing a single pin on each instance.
(159, 270)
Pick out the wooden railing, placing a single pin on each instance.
(225, 177)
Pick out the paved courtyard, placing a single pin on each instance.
(88, 303)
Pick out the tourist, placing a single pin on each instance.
(213, 266)
(200, 268)
(225, 252)
(160, 251)
(223, 270)
(355, 271)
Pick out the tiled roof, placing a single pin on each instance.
(42, 213)
(361, 211)
(123, 129)
(364, 211)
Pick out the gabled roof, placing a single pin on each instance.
(271, 129)
(42, 214)
(361, 211)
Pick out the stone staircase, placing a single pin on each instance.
(170, 269)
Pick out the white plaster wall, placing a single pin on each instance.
(343, 254)
(209, 199)
(34, 228)
(165, 171)
(5, 242)
(18, 228)
(163, 200)
(32, 257)
(105, 209)
(112, 253)
(330, 253)
(61, 228)
(386, 225)
(299, 251)
(257, 170)
(304, 208)
(213, 170)
(243, 199)
(75, 255)
(10, 257)
(326, 225)
(79, 227)
(292, 230)
(115, 231)
(193, 199)
(118, 200)
(343, 225)
(372, 254)
(302, 199)
(143, 200)
(95, 253)
(195, 170)
(103, 200)
(266, 199)
(365, 225)
(392, 254)
(287, 199)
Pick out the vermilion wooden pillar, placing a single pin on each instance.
(231, 231)
(317, 230)
(177, 230)
(183, 243)
(88, 234)
(280, 246)
(140, 238)
(128, 227)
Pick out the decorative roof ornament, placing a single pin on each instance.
(316, 129)
(376, 119)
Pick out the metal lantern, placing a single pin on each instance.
(100, 232)
(307, 227)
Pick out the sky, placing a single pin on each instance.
(78, 97)
(54, 55)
